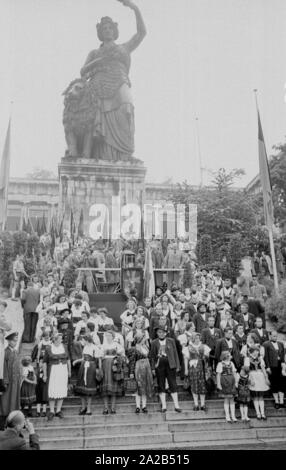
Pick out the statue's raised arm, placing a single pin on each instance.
(134, 42)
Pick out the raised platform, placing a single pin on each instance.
(115, 304)
(84, 183)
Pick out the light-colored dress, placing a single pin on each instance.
(56, 358)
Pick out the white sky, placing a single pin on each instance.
(200, 58)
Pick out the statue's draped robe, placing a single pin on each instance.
(108, 90)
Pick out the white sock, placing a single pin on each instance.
(242, 412)
(163, 400)
(261, 406)
(138, 400)
(196, 399)
(175, 399)
(144, 401)
(226, 410)
(232, 411)
(281, 398)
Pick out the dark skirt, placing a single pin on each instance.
(28, 394)
(110, 387)
(197, 379)
(256, 394)
(243, 396)
(41, 392)
(88, 386)
(144, 377)
(228, 386)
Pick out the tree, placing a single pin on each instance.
(222, 210)
(236, 253)
(206, 251)
(223, 180)
(275, 308)
(277, 167)
(41, 174)
(6, 258)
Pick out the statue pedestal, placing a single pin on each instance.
(84, 183)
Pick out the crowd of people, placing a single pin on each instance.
(211, 336)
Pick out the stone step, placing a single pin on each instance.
(128, 440)
(221, 424)
(128, 409)
(238, 444)
(103, 430)
(75, 420)
(102, 442)
(225, 435)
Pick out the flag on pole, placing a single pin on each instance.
(4, 179)
(61, 228)
(80, 230)
(267, 195)
(44, 227)
(149, 282)
(265, 177)
(72, 227)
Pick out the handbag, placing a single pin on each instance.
(98, 375)
(186, 384)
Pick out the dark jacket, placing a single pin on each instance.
(251, 320)
(209, 339)
(199, 322)
(273, 357)
(222, 345)
(154, 322)
(11, 440)
(262, 339)
(171, 351)
(30, 299)
(241, 340)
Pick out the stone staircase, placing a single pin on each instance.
(188, 430)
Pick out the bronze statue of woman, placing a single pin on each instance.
(106, 74)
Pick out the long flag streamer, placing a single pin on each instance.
(4, 179)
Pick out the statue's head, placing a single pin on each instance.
(107, 29)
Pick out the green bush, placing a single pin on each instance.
(275, 308)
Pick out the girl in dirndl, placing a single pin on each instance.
(28, 387)
(140, 368)
(259, 382)
(112, 384)
(57, 371)
(89, 374)
(194, 356)
(243, 397)
(227, 379)
(41, 390)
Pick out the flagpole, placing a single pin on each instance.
(269, 226)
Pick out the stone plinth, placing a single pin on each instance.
(84, 183)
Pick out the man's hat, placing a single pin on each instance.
(11, 335)
(200, 304)
(63, 321)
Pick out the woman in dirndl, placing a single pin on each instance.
(57, 371)
(140, 369)
(112, 367)
(195, 354)
(28, 386)
(89, 374)
(227, 382)
(259, 382)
